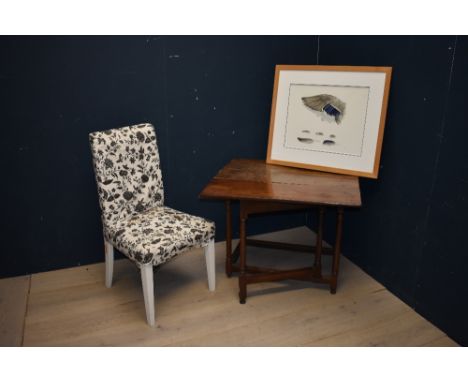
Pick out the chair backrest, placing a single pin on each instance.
(127, 169)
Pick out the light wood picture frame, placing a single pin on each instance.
(329, 118)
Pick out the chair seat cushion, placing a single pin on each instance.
(158, 234)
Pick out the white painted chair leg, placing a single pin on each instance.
(148, 291)
(109, 250)
(210, 264)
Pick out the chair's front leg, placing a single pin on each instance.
(109, 253)
(148, 291)
(210, 264)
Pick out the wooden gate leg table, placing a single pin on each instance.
(264, 188)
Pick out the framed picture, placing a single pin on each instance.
(329, 118)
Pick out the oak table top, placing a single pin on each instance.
(250, 179)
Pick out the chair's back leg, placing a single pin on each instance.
(148, 291)
(109, 251)
(210, 264)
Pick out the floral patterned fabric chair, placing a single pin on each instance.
(134, 217)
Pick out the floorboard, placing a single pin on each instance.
(72, 307)
(13, 301)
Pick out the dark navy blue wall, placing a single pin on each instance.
(411, 231)
(210, 98)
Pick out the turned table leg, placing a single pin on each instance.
(337, 250)
(228, 239)
(318, 245)
(243, 255)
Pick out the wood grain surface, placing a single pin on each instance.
(72, 307)
(249, 179)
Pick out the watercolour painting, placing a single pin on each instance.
(329, 118)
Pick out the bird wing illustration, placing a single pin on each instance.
(327, 103)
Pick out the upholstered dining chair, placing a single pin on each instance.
(134, 217)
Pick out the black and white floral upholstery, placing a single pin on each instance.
(131, 197)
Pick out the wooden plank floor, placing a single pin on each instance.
(72, 307)
(13, 301)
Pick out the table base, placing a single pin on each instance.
(250, 275)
